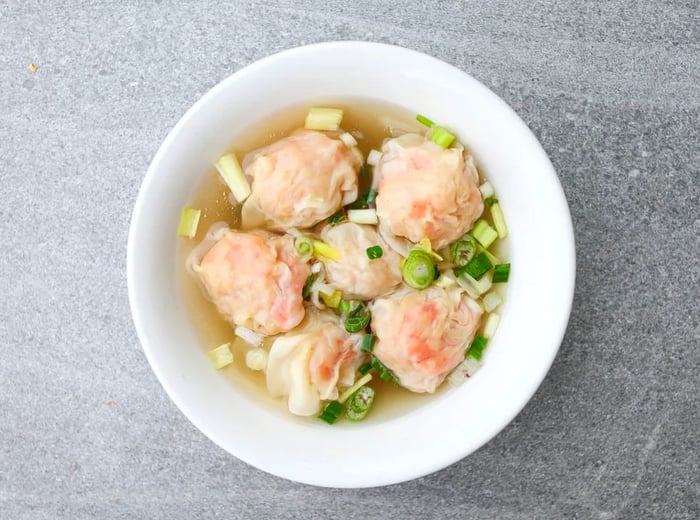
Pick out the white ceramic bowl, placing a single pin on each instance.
(458, 421)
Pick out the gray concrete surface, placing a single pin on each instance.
(611, 90)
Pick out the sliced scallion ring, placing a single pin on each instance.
(419, 269)
(359, 404)
(303, 247)
(463, 250)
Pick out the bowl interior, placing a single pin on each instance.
(534, 316)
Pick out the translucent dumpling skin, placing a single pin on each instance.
(310, 363)
(425, 191)
(422, 335)
(299, 181)
(256, 280)
(354, 273)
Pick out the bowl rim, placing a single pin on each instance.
(568, 255)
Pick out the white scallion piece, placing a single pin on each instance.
(491, 301)
(221, 356)
(256, 359)
(373, 157)
(363, 216)
(487, 190)
(316, 267)
(464, 370)
(499, 221)
(465, 282)
(249, 336)
(475, 288)
(471, 365)
(327, 119)
(348, 140)
(230, 170)
(189, 221)
(491, 325)
(447, 280)
(354, 388)
(458, 376)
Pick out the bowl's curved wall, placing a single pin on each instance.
(538, 299)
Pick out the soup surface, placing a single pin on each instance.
(370, 123)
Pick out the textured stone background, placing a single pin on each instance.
(610, 89)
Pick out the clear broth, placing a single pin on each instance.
(370, 122)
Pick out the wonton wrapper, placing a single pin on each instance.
(299, 181)
(426, 191)
(309, 364)
(422, 335)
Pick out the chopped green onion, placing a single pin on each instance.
(323, 251)
(491, 301)
(464, 370)
(323, 119)
(419, 269)
(348, 140)
(336, 218)
(447, 280)
(368, 342)
(189, 221)
(384, 373)
(354, 388)
(331, 300)
(365, 200)
(424, 121)
(369, 196)
(366, 176)
(364, 368)
(346, 306)
(307, 285)
(499, 221)
(221, 356)
(484, 233)
(426, 246)
(373, 157)
(501, 273)
(374, 252)
(331, 412)
(230, 170)
(363, 216)
(477, 347)
(486, 190)
(358, 319)
(475, 288)
(491, 325)
(490, 201)
(441, 136)
(493, 258)
(303, 247)
(463, 250)
(476, 267)
(249, 336)
(256, 359)
(359, 404)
